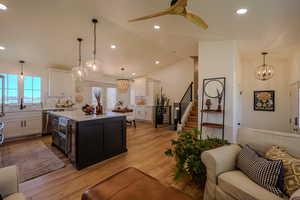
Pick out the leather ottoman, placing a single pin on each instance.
(132, 184)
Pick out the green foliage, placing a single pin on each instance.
(187, 150)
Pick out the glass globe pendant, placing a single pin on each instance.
(92, 65)
(264, 72)
(79, 72)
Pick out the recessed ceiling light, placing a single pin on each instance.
(133, 74)
(156, 27)
(2, 48)
(113, 46)
(3, 7)
(242, 11)
(157, 62)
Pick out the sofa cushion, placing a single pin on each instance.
(266, 173)
(291, 166)
(238, 185)
(16, 196)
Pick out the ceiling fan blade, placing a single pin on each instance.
(162, 13)
(196, 20)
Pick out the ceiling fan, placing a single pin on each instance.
(178, 7)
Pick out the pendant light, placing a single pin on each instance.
(93, 64)
(123, 84)
(22, 62)
(79, 71)
(264, 72)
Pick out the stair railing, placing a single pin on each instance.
(185, 101)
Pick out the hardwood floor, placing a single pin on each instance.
(146, 146)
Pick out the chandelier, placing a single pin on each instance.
(79, 72)
(123, 84)
(264, 72)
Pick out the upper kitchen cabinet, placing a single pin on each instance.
(61, 83)
(144, 87)
(140, 87)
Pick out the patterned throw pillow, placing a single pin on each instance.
(265, 173)
(291, 166)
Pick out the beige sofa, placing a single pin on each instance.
(9, 185)
(225, 182)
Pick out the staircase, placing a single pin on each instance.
(192, 122)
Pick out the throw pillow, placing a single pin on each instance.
(291, 166)
(264, 172)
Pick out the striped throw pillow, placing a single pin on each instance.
(263, 172)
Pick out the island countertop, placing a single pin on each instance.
(80, 116)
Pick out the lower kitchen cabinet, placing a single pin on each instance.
(98, 140)
(144, 113)
(22, 124)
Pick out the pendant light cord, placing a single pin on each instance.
(79, 51)
(264, 55)
(22, 66)
(95, 21)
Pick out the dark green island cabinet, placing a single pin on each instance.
(87, 140)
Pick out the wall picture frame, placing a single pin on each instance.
(264, 100)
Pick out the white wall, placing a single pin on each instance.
(175, 79)
(278, 120)
(295, 68)
(220, 59)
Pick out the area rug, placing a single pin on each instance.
(33, 159)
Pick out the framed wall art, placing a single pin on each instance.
(264, 100)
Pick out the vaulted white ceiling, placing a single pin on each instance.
(44, 32)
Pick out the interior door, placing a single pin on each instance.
(294, 108)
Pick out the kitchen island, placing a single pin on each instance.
(89, 139)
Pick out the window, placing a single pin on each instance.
(94, 100)
(111, 98)
(32, 89)
(10, 88)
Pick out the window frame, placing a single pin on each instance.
(32, 90)
(7, 89)
(20, 90)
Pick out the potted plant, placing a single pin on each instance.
(187, 150)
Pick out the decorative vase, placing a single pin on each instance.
(99, 109)
(208, 104)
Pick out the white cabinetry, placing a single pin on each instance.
(145, 87)
(144, 113)
(22, 124)
(61, 83)
(139, 86)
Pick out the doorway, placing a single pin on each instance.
(294, 107)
